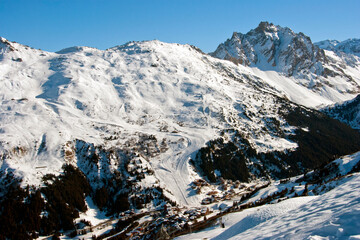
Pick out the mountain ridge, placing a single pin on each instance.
(139, 124)
(274, 48)
(347, 112)
(349, 46)
(269, 41)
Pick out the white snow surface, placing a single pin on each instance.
(333, 215)
(347, 163)
(171, 91)
(93, 214)
(327, 44)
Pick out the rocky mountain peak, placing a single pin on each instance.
(271, 47)
(265, 26)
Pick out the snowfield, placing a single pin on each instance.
(333, 215)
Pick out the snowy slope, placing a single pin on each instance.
(335, 214)
(327, 44)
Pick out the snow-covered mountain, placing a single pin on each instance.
(147, 124)
(271, 47)
(171, 91)
(327, 44)
(274, 48)
(350, 46)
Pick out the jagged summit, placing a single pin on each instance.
(266, 27)
(4, 41)
(271, 47)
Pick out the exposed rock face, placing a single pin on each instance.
(271, 47)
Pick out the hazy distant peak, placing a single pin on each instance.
(327, 44)
(349, 46)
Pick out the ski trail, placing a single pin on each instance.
(174, 172)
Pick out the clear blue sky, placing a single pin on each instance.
(55, 24)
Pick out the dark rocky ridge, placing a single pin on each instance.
(347, 112)
(320, 140)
